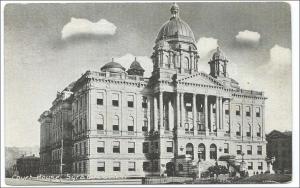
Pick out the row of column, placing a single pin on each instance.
(180, 112)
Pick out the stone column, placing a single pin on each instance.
(161, 111)
(194, 113)
(170, 115)
(263, 122)
(211, 116)
(178, 110)
(206, 114)
(148, 113)
(155, 118)
(221, 113)
(182, 110)
(217, 113)
(231, 114)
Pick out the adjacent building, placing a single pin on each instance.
(28, 166)
(116, 123)
(280, 146)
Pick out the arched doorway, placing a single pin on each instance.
(201, 152)
(213, 151)
(190, 150)
(170, 169)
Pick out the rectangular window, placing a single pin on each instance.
(100, 127)
(154, 147)
(84, 148)
(130, 103)
(226, 109)
(257, 111)
(260, 166)
(101, 167)
(79, 168)
(226, 148)
(80, 148)
(258, 134)
(131, 147)
(248, 113)
(145, 102)
(248, 134)
(84, 167)
(259, 150)
(117, 166)
(115, 99)
(146, 147)
(238, 110)
(99, 101)
(250, 165)
(239, 150)
(100, 98)
(101, 146)
(116, 147)
(130, 128)
(170, 146)
(76, 149)
(146, 166)
(131, 166)
(249, 150)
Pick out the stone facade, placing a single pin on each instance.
(127, 125)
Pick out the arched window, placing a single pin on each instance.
(100, 122)
(258, 130)
(249, 130)
(190, 150)
(145, 126)
(227, 127)
(213, 151)
(201, 152)
(130, 126)
(80, 124)
(239, 130)
(116, 123)
(186, 63)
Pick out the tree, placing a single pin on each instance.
(218, 169)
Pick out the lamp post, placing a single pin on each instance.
(242, 167)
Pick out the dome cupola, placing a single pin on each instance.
(113, 67)
(219, 55)
(218, 64)
(136, 69)
(176, 29)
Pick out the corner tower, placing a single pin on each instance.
(218, 64)
(175, 50)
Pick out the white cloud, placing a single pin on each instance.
(280, 55)
(145, 62)
(246, 36)
(83, 26)
(280, 61)
(205, 45)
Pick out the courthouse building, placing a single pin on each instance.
(117, 123)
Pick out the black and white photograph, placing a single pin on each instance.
(149, 93)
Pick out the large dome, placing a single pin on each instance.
(113, 67)
(176, 28)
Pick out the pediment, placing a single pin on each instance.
(200, 78)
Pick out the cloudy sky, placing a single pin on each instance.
(47, 46)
